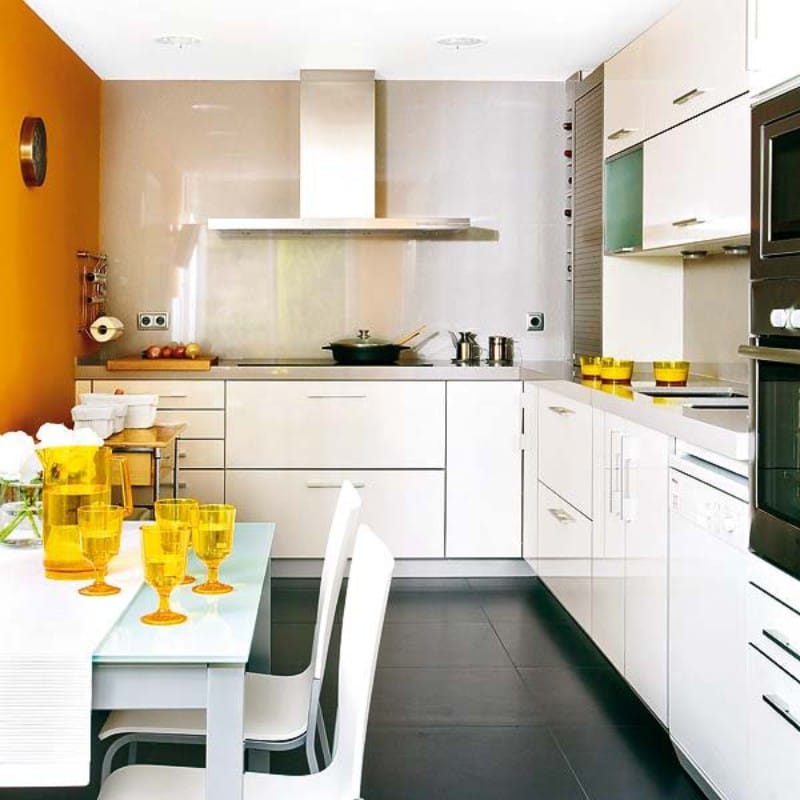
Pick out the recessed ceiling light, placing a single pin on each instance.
(461, 42)
(177, 40)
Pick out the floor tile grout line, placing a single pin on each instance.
(569, 763)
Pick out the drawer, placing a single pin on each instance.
(172, 394)
(774, 628)
(335, 424)
(201, 454)
(563, 531)
(205, 485)
(199, 424)
(406, 509)
(773, 727)
(565, 448)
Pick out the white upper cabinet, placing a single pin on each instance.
(694, 59)
(624, 99)
(484, 469)
(772, 53)
(697, 179)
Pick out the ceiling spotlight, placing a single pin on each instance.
(736, 249)
(462, 42)
(694, 255)
(177, 40)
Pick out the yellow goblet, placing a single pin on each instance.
(99, 533)
(213, 542)
(164, 559)
(176, 512)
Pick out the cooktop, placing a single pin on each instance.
(318, 362)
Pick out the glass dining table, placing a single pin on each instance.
(201, 663)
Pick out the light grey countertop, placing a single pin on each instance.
(722, 430)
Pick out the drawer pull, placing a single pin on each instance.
(182, 486)
(174, 396)
(776, 637)
(560, 410)
(561, 515)
(685, 223)
(331, 485)
(336, 396)
(621, 250)
(690, 95)
(621, 133)
(781, 708)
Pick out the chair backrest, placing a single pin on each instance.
(364, 609)
(339, 548)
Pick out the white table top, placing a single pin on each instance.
(220, 627)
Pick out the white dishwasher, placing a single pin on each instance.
(709, 530)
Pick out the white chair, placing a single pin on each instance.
(281, 711)
(365, 606)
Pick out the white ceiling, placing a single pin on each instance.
(258, 39)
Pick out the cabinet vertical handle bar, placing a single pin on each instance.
(776, 637)
(687, 96)
(781, 708)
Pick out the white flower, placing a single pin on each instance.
(18, 461)
(50, 435)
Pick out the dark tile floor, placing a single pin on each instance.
(485, 690)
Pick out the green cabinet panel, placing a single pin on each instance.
(624, 184)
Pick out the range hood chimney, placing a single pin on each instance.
(337, 164)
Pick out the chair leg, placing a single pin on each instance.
(311, 752)
(113, 749)
(323, 737)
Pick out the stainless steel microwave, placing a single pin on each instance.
(775, 244)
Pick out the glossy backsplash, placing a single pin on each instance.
(175, 153)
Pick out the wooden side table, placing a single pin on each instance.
(145, 449)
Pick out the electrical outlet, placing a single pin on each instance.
(152, 320)
(534, 320)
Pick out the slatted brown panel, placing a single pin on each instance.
(587, 257)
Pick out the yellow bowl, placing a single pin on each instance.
(615, 370)
(590, 366)
(671, 373)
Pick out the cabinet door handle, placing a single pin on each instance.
(629, 456)
(622, 132)
(183, 455)
(560, 410)
(174, 396)
(687, 96)
(781, 708)
(181, 485)
(332, 485)
(336, 396)
(561, 515)
(621, 250)
(685, 223)
(776, 637)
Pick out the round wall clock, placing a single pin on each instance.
(33, 151)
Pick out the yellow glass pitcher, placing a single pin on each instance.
(74, 476)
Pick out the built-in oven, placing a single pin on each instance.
(775, 244)
(775, 421)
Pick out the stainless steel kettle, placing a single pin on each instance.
(467, 348)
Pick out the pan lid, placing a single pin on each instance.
(363, 341)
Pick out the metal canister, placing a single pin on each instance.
(497, 348)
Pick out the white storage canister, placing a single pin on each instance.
(141, 410)
(99, 418)
(118, 401)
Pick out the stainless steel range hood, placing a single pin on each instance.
(337, 165)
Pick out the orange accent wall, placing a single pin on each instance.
(40, 229)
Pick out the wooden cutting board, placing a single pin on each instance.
(202, 363)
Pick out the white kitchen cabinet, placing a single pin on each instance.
(200, 423)
(201, 454)
(335, 424)
(530, 475)
(624, 93)
(697, 179)
(205, 485)
(565, 448)
(634, 530)
(693, 60)
(484, 469)
(171, 393)
(565, 554)
(608, 543)
(773, 54)
(405, 508)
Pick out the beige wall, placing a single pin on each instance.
(716, 321)
(175, 153)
